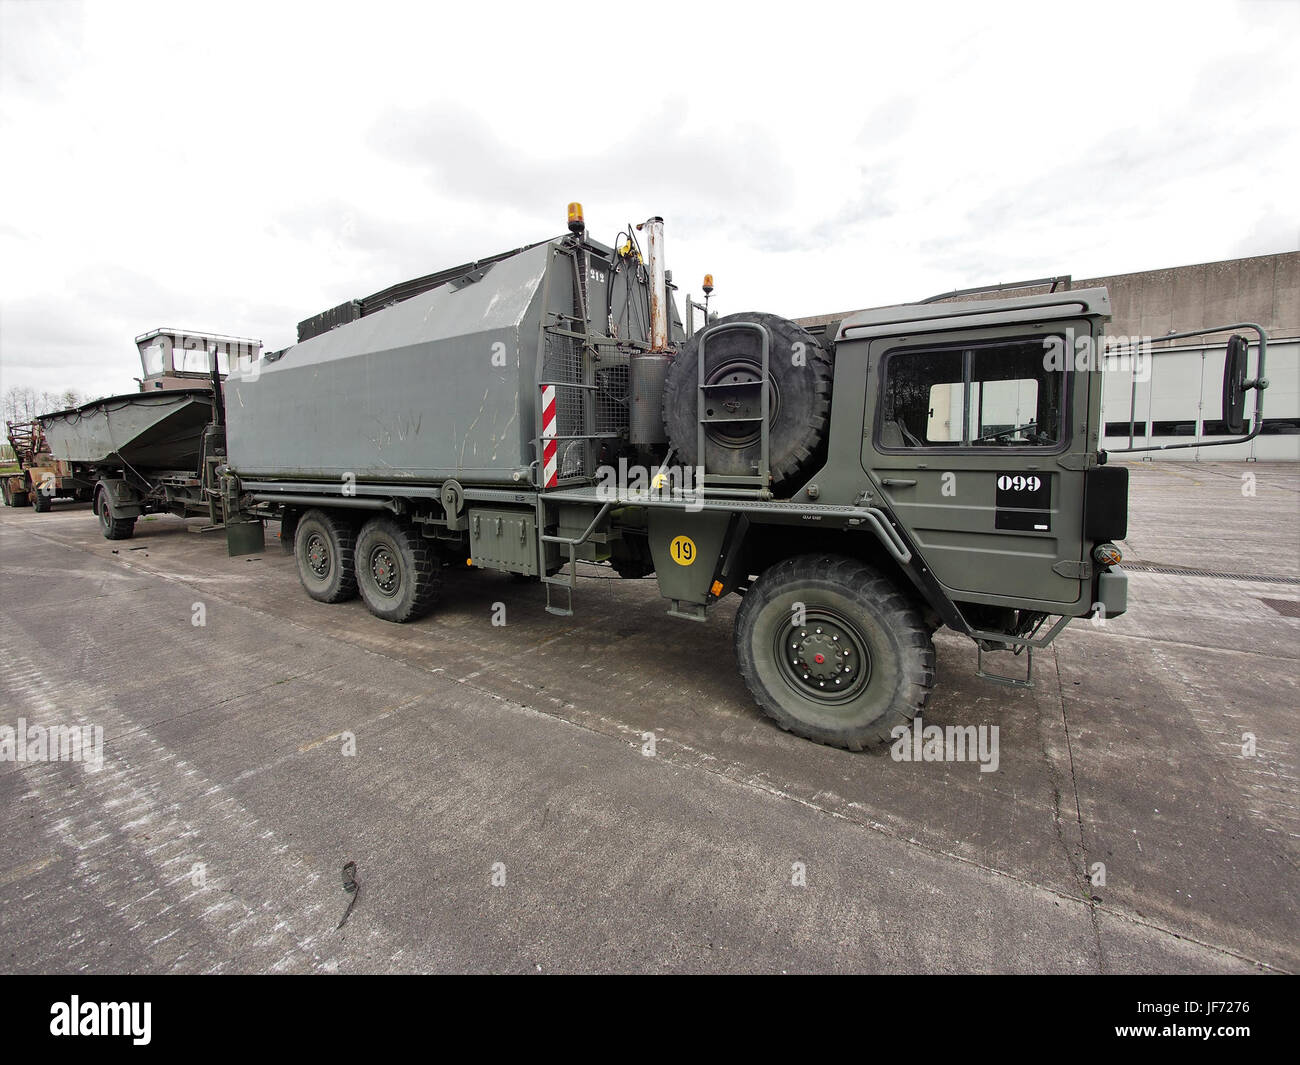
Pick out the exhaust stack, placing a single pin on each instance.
(658, 285)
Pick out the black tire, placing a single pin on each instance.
(22, 499)
(324, 548)
(799, 401)
(112, 528)
(41, 502)
(632, 569)
(633, 559)
(397, 570)
(877, 660)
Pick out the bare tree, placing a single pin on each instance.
(20, 404)
(23, 403)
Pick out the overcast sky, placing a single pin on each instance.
(234, 168)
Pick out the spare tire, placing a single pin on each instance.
(799, 400)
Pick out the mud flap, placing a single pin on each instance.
(245, 537)
(688, 552)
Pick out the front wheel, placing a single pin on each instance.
(42, 502)
(112, 528)
(833, 652)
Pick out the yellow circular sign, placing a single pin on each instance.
(682, 550)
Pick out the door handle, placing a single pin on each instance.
(897, 482)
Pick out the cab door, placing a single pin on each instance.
(977, 440)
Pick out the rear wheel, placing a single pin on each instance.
(324, 548)
(112, 528)
(833, 652)
(397, 571)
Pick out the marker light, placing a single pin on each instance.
(708, 284)
(1107, 555)
(576, 222)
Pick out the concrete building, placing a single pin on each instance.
(1177, 399)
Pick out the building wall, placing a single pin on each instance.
(1183, 392)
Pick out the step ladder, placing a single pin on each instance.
(568, 583)
(738, 393)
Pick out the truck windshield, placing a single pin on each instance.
(192, 360)
(151, 358)
(995, 395)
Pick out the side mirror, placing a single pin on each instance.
(1234, 385)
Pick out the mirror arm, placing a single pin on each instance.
(1260, 383)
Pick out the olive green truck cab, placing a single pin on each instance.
(857, 486)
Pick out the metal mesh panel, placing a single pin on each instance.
(563, 365)
(612, 396)
(584, 411)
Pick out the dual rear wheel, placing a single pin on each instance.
(387, 561)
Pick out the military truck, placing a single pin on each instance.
(857, 487)
(40, 478)
(158, 449)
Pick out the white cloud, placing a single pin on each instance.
(238, 167)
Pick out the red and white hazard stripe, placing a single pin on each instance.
(550, 464)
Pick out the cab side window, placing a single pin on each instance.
(996, 395)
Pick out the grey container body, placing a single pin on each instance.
(440, 385)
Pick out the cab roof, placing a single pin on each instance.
(938, 317)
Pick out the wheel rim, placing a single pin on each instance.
(385, 572)
(826, 659)
(102, 510)
(318, 555)
(740, 372)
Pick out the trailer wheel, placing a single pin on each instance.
(397, 571)
(799, 401)
(323, 547)
(112, 528)
(833, 652)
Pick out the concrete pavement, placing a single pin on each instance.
(504, 816)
